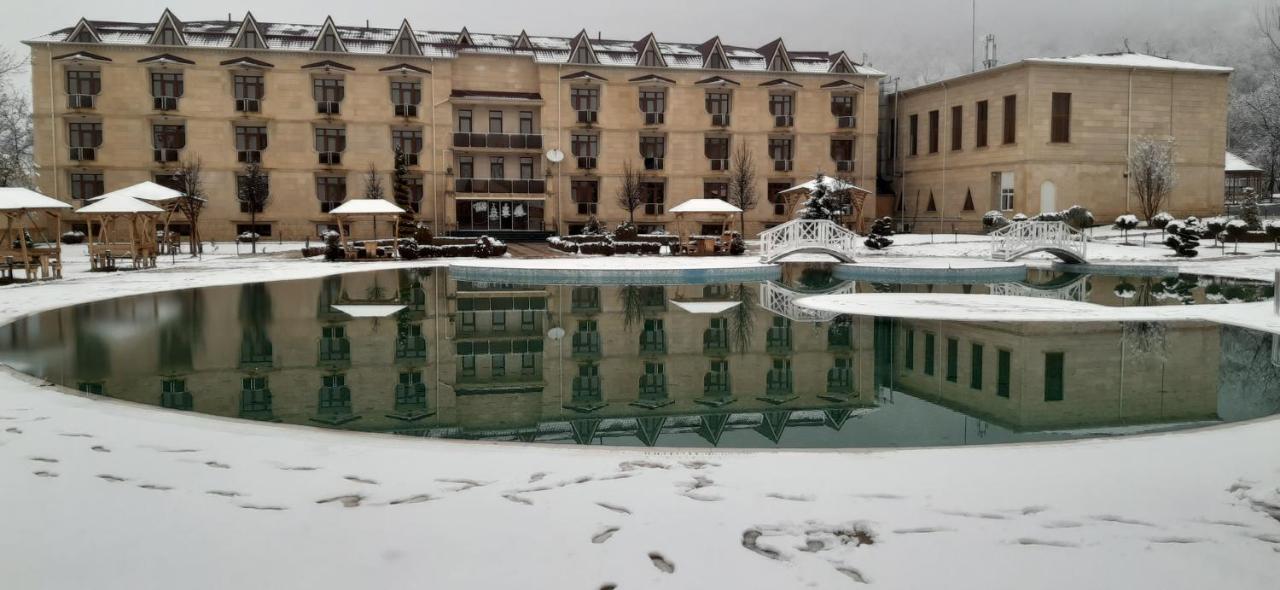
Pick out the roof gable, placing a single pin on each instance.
(841, 64)
(168, 31)
(464, 39)
(83, 33)
(777, 58)
(648, 54)
(405, 41)
(580, 50)
(523, 42)
(328, 39)
(713, 56)
(250, 35)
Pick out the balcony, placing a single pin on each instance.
(248, 105)
(410, 159)
(784, 121)
(586, 162)
(81, 101)
(328, 107)
(514, 141)
(720, 164)
(588, 117)
(655, 118)
(334, 350)
(165, 103)
(839, 381)
(586, 344)
(653, 342)
(720, 120)
(164, 155)
(653, 163)
(331, 158)
(586, 390)
(83, 154)
(783, 165)
(653, 390)
(778, 340)
(844, 165)
(405, 110)
(249, 156)
(500, 186)
(847, 122)
(715, 341)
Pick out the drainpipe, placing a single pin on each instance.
(53, 120)
(1128, 147)
(943, 118)
(436, 206)
(559, 139)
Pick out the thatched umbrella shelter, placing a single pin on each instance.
(140, 218)
(168, 199)
(370, 209)
(715, 210)
(17, 205)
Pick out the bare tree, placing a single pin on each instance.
(628, 194)
(742, 184)
(16, 163)
(191, 183)
(10, 63)
(372, 184)
(1255, 128)
(1153, 173)
(253, 195)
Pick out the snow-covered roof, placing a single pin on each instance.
(1129, 60)
(706, 307)
(365, 310)
(831, 184)
(367, 207)
(20, 199)
(705, 206)
(1237, 164)
(444, 44)
(119, 204)
(144, 191)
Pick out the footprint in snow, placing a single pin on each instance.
(613, 507)
(359, 479)
(44, 459)
(260, 507)
(100, 449)
(13, 430)
(111, 478)
(1046, 543)
(298, 468)
(155, 486)
(604, 535)
(537, 476)
(348, 501)
(75, 435)
(224, 493)
(44, 474)
(413, 499)
(518, 499)
(662, 563)
(217, 465)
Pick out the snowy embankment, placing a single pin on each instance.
(118, 495)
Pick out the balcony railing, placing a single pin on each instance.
(500, 186)
(847, 121)
(164, 155)
(165, 103)
(249, 156)
(840, 381)
(586, 344)
(655, 118)
(844, 165)
(331, 158)
(587, 117)
(248, 105)
(784, 121)
(653, 387)
(405, 110)
(653, 163)
(778, 339)
(653, 342)
(328, 107)
(586, 389)
(81, 101)
(783, 165)
(715, 341)
(586, 162)
(720, 120)
(516, 141)
(719, 164)
(84, 154)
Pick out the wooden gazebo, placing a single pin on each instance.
(168, 199)
(112, 211)
(17, 206)
(857, 195)
(701, 210)
(370, 209)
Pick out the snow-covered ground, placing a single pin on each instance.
(115, 495)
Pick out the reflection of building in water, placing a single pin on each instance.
(413, 352)
(1038, 376)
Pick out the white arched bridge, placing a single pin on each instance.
(781, 300)
(1021, 238)
(814, 236)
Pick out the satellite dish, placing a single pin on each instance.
(557, 332)
(555, 155)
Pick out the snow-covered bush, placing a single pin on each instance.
(593, 227)
(248, 237)
(1126, 290)
(1236, 230)
(73, 237)
(1078, 217)
(1273, 232)
(881, 229)
(1184, 237)
(332, 245)
(1160, 220)
(626, 232)
(1250, 212)
(1214, 226)
(1048, 216)
(1126, 223)
(993, 220)
(1019, 217)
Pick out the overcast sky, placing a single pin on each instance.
(916, 39)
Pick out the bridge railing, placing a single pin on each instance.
(780, 300)
(799, 234)
(1022, 236)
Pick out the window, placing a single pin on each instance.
(653, 149)
(245, 206)
(782, 105)
(84, 135)
(934, 117)
(406, 92)
(975, 366)
(409, 141)
(957, 128)
(844, 105)
(983, 123)
(719, 103)
(1010, 119)
(842, 153)
(909, 351)
(653, 195)
(526, 168)
(464, 121)
(414, 184)
(914, 141)
(715, 190)
(166, 85)
(1003, 369)
(929, 351)
(169, 137)
(331, 139)
(410, 390)
(1061, 124)
(334, 394)
(86, 185)
(585, 145)
(1007, 191)
(495, 121)
(328, 91)
(331, 191)
(466, 167)
(497, 167)
(247, 87)
(1054, 372)
(254, 395)
(780, 149)
(953, 360)
(586, 193)
(717, 150)
(653, 101)
(776, 197)
(584, 98)
(84, 82)
(526, 122)
(250, 138)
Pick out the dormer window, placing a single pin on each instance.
(328, 40)
(581, 55)
(717, 62)
(166, 89)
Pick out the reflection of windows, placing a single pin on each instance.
(174, 394)
(909, 351)
(654, 338)
(779, 378)
(411, 391)
(468, 366)
(334, 394)
(1054, 375)
(94, 388)
(653, 383)
(929, 351)
(716, 382)
(334, 345)
(975, 367)
(953, 360)
(254, 395)
(840, 376)
(1003, 370)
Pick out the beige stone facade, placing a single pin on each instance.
(1110, 102)
(518, 90)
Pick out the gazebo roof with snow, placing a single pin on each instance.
(119, 204)
(367, 207)
(706, 206)
(1237, 164)
(706, 307)
(20, 199)
(144, 191)
(831, 184)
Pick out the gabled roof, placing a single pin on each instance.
(167, 22)
(119, 205)
(523, 42)
(713, 55)
(81, 55)
(84, 29)
(717, 81)
(246, 61)
(167, 58)
(774, 424)
(584, 430)
(1235, 163)
(405, 41)
(777, 59)
(21, 199)
(582, 42)
(584, 75)
(649, 46)
(841, 64)
(464, 38)
(649, 428)
(711, 427)
(250, 35)
(327, 29)
(328, 64)
(405, 66)
(652, 78)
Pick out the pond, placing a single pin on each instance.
(416, 353)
